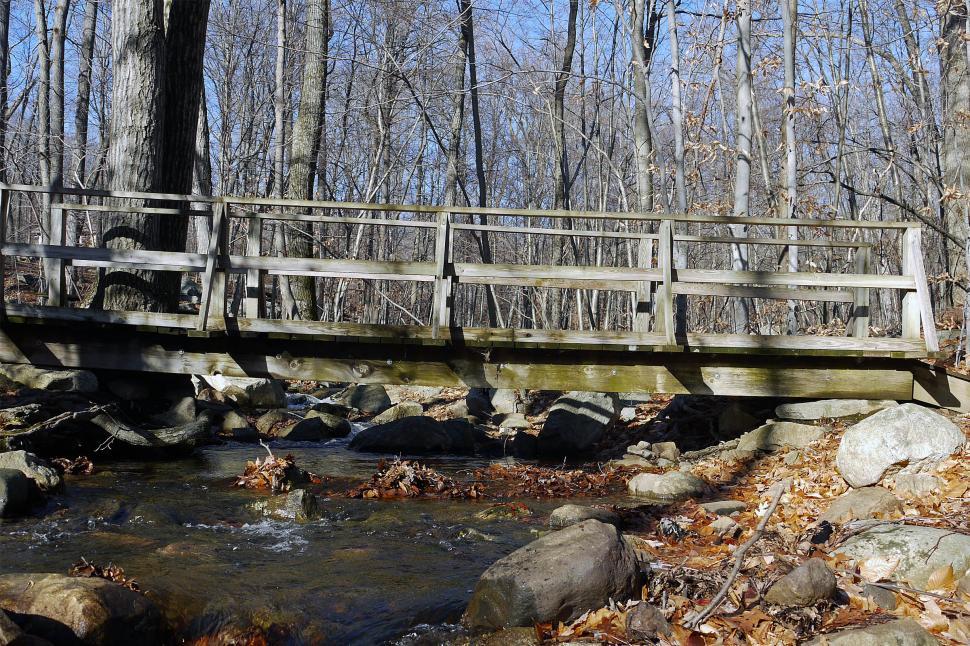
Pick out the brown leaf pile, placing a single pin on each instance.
(533, 481)
(275, 474)
(81, 465)
(111, 572)
(409, 479)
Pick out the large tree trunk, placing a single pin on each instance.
(202, 173)
(58, 36)
(306, 142)
(742, 177)
(134, 160)
(4, 64)
(680, 183)
(458, 111)
(642, 38)
(956, 129)
(789, 12)
(84, 89)
(559, 110)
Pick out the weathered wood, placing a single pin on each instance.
(665, 290)
(124, 195)
(4, 215)
(117, 258)
(54, 267)
(336, 219)
(795, 279)
(390, 270)
(254, 306)
(941, 387)
(924, 305)
(773, 293)
(148, 210)
(213, 289)
(440, 307)
(644, 292)
(910, 301)
(861, 300)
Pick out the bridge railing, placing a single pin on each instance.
(235, 251)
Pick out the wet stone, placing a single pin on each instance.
(574, 514)
(670, 486)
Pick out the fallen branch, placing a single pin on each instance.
(701, 616)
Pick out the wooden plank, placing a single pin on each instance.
(572, 272)
(332, 267)
(254, 304)
(665, 290)
(773, 293)
(334, 219)
(504, 368)
(941, 387)
(795, 279)
(114, 208)
(644, 293)
(440, 312)
(125, 195)
(910, 301)
(861, 300)
(115, 317)
(782, 242)
(578, 233)
(923, 304)
(118, 258)
(54, 267)
(210, 290)
(558, 283)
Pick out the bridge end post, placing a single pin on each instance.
(665, 291)
(441, 306)
(861, 299)
(641, 315)
(254, 307)
(214, 278)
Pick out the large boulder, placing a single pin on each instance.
(773, 436)
(408, 435)
(485, 402)
(274, 420)
(918, 551)
(903, 439)
(78, 381)
(400, 411)
(831, 408)
(667, 487)
(577, 421)
(42, 472)
(809, 583)
(556, 578)
(367, 398)
(15, 492)
(899, 632)
(68, 610)
(248, 392)
(237, 427)
(332, 425)
(569, 515)
(867, 502)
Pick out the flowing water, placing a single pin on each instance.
(367, 572)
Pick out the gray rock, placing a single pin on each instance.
(12, 635)
(333, 408)
(576, 422)
(461, 435)
(310, 429)
(666, 450)
(42, 472)
(773, 436)
(367, 398)
(17, 417)
(332, 425)
(400, 411)
(270, 419)
(885, 599)
(919, 550)
(522, 445)
(903, 439)
(630, 460)
(408, 435)
(515, 421)
(724, 526)
(670, 486)
(478, 403)
(568, 515)
(735, 420)
(627, 414)
(15, 494)
(832, 408)
(423, 394)
(641, 449)
(77, 381)
(916, 485)
(858, 504)
(505, 401)
(67, 610)
(556, 578)
(249, 393)
(237, 427)
(899, 632)
(298, 504)
(724, 507)
(809, 583)
(645, 623)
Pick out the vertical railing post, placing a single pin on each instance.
(441, 307)
(665, 291)
(917, 307)
(255, 307)
(641, 315)
(214, 278)
(54, 267)
(861, 298)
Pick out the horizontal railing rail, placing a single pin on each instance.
(651, 276)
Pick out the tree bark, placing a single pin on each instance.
(84, 89)
(742, 177)
(680, 184)
(559, 110)
(642, 37)
(956, 129)
(4, 64)
(789, 12)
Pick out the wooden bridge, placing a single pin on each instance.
(237, 336)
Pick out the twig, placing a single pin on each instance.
(701, 616)
(271, 456)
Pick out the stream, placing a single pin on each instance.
(369, 571)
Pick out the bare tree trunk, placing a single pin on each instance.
(742, 177)
(680, 185)
(4, 64)
(279, 150)
(84, 89)
(134, 164)
(58, 36)
(306, 142)
(789, 12)
(559, 110)
(458, 111)
(642, 33)
(956, 128)
(43, 106)
(202, 174)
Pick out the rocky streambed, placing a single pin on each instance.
(515, 517)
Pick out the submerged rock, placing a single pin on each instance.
(65, 610)
(671, 486)
(867, 502)
(903, 439)
(299, 505)
(773, 435)
(400, 411)
(832, 408)
(577, 421)
(39, 470)
(568, 515)
(556, 578)
(408, 435)
(75, 381)
(899, 632)
(919, 551)
(809, 583)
